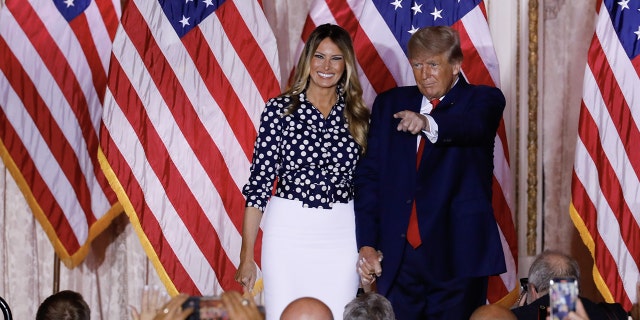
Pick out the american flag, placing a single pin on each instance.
(605, 204)
(187, 83)
(381, 30)
(54, 57)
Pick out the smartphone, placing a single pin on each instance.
(206, 308)
(563, 294)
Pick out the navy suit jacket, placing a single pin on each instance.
(452, 188)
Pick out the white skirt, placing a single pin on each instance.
(308, 253)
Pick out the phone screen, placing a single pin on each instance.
(563, 294)
(206, 308)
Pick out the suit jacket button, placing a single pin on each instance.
(409, 201)
(403, 235)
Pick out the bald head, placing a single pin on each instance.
(306, 308)
(551, 264)
(492, 312)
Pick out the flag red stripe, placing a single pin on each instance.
(109, 15)
(184, 202)
(474, 68)
(80, 28)
(46, 202)
(636, 64)
(498, 289)
(249, 50)
(613, 193)
(371, 63)
(603, 259)
(617, 106)
(343, 14)
(183, 112)
(483, 8)
(309, 26)
(502, 134)
(148, 222)
(47, 127)
(221, 90)
(502, 212)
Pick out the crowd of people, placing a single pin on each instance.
(395, 199)
(156, 305)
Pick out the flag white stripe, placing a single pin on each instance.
(478, 30)
(502, 172)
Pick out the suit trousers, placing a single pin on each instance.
(415, 294)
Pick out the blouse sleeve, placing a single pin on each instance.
(266, 162)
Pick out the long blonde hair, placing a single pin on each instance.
(356, 112)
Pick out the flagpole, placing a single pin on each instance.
(56, 273)
(532, 135)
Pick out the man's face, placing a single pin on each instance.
(434, 74)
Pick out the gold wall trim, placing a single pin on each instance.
(532, 134)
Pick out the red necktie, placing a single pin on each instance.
(413, 232)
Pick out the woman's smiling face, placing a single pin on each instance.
(327, 65)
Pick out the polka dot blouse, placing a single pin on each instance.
(312, 157)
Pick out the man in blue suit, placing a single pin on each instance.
(437, 266)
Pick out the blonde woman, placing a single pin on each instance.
(309, 142)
